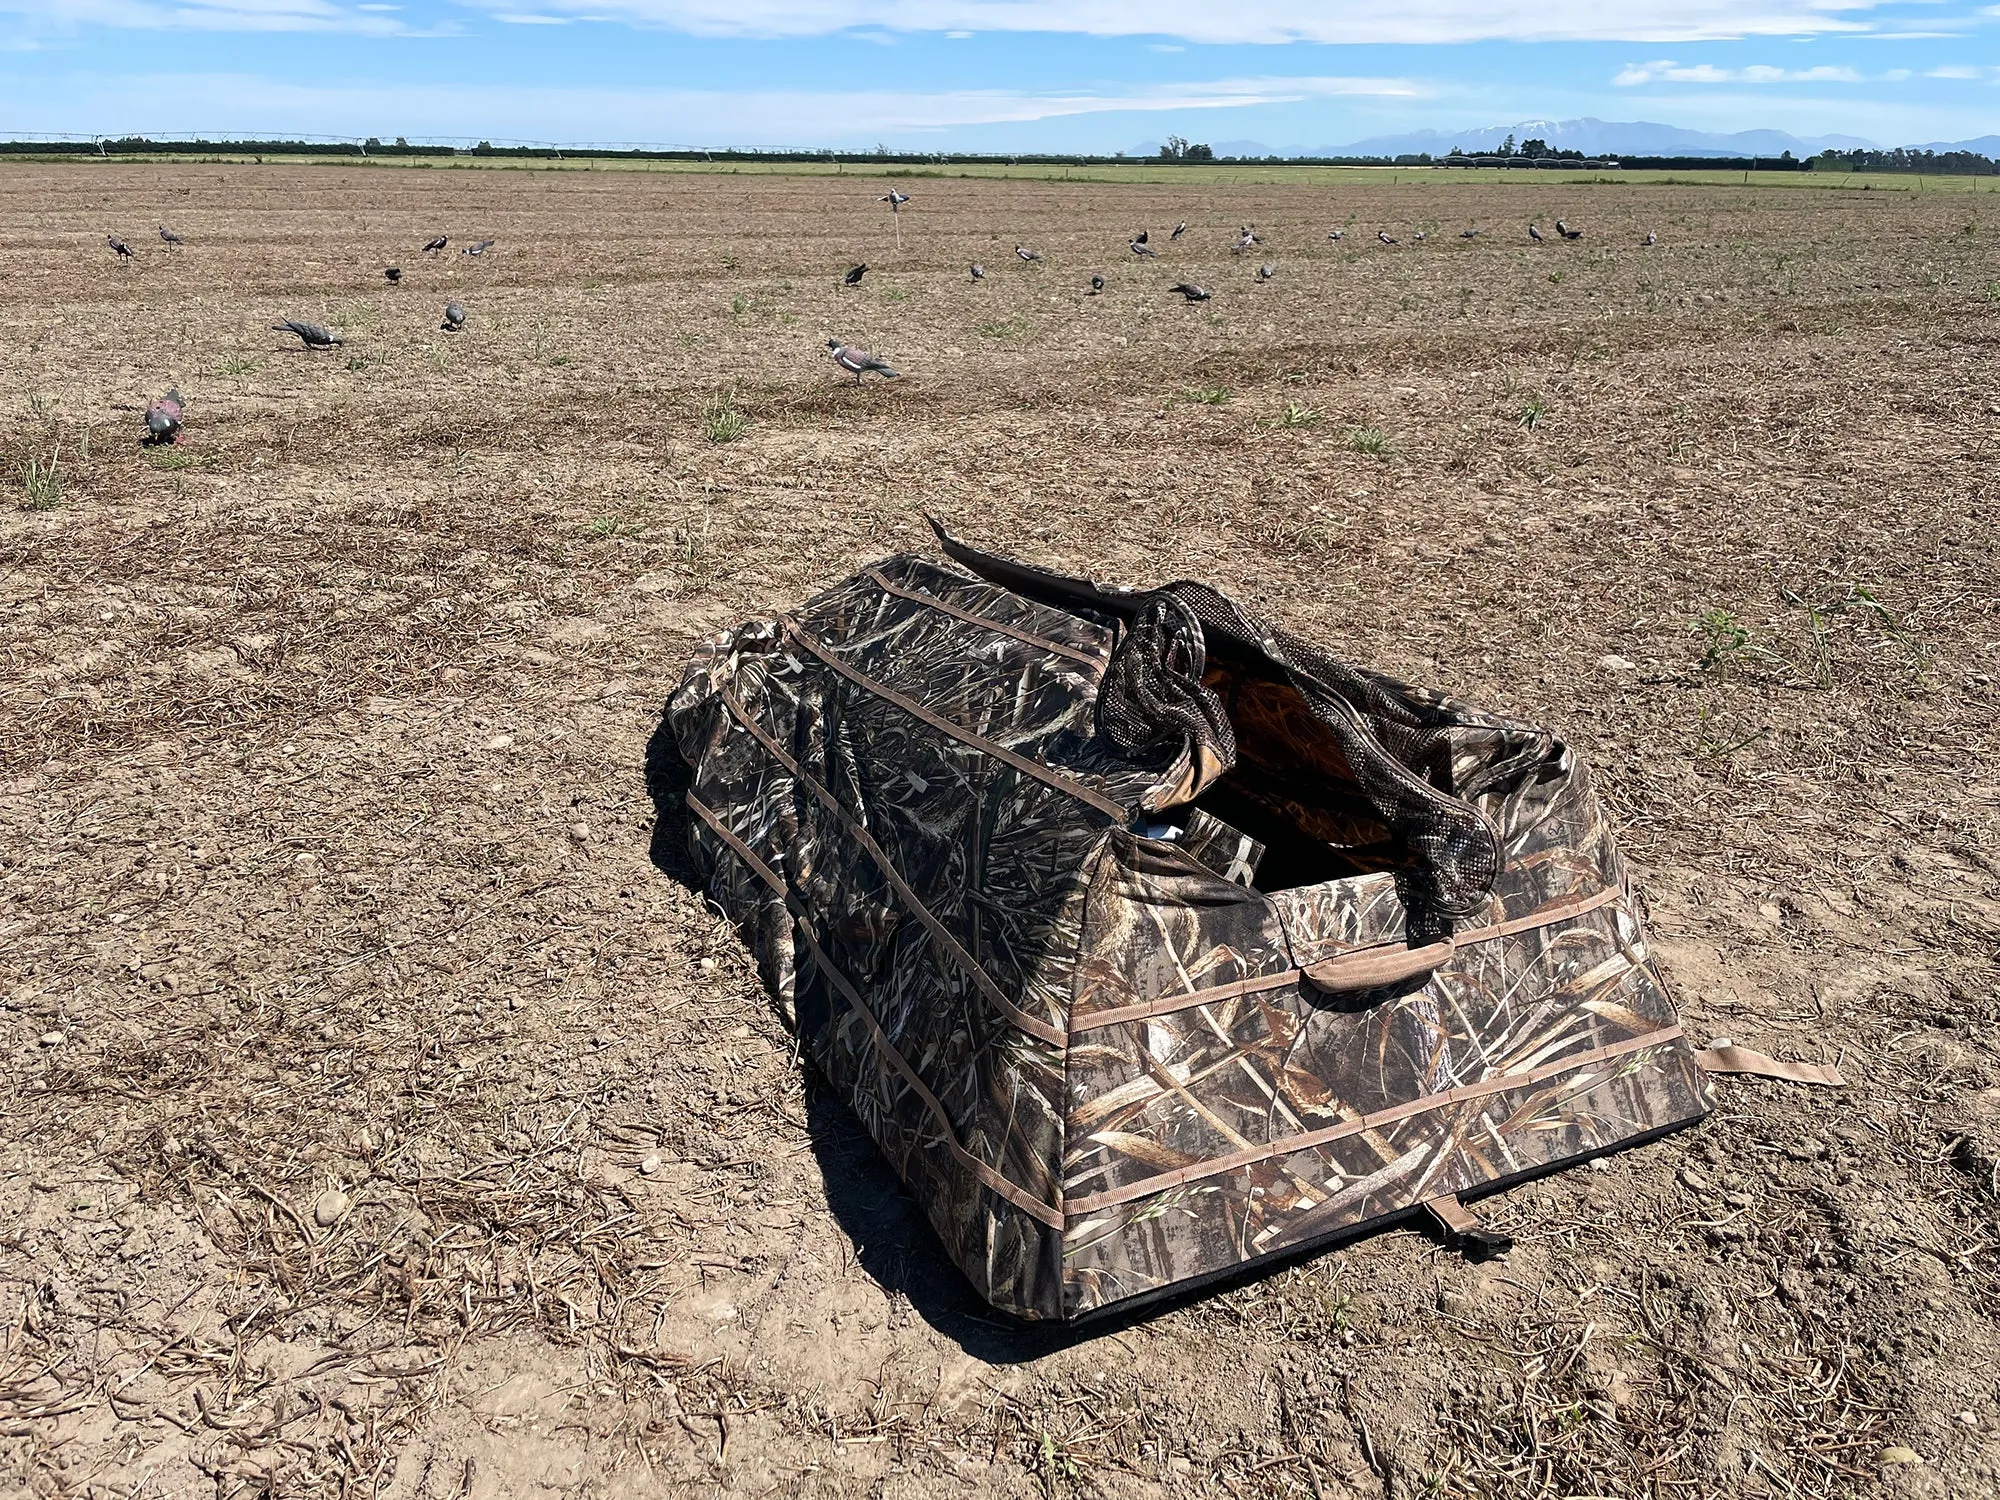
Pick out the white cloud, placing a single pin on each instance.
(516, 18)
(1667, 71)
(184, 105)
(54, 16)
(1953, 70)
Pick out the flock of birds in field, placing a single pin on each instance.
(164, 416)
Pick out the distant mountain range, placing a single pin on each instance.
(1591, 137)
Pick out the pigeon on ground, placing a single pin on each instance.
(394, 273)
(437, 244)
(454, 318)
(1140, 247)
(1243, 241)
(1140, 238)
(1266, 271)
(1026, 254)
(1336, 235)
(479, 249)
(1468, 234)
(1179, 230)
(163, 419)
(858, 362)
(1652, 237)
(1385, 237)
(1418, 236)
(853, 277)
(895, 200)
(168, 237)
(1566, 232)
(123, 250)
(978, 271)
(1096, 285)
(1192, 292)
(313, 335)
(1534, 234)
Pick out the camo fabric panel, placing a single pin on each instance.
(995, 858)
(1165, 1098)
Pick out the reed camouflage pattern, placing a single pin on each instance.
(1147, 941)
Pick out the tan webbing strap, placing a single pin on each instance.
(971, 618)
(1724, 1056)
(1021, 1199)
(1464, 1229)
(1044, 774)
(1035, 1026)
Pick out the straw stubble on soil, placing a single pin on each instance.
(385, 1114)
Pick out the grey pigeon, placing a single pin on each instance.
(123, 250)
(1179, 230)
(1419, 236)
(313, 335)
(1266, 271)
(1468, 234)
(1192, 292)
(1652, 237)
(895, 200)
(437, 244)
(1385, 237)
(1243, 241)
(163, 419)
(978, 271)
(1026, 254)
(1140, 247)
(1566, 232)
(1534, 234)
(479, 249)
(853, 277)
(168, 237)
(394, 273)
(1096, 285)
(858, 362)
(454, 318)
(1336, 235)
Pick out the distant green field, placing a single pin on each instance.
(1137, 172)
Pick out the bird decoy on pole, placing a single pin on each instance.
(895, 200)
(163, 419)
(168, 237)
(312, 335)
(119, 248)
(1191, 291)
(431, 246)
(858, 362)
(454, 318)
(853, 277)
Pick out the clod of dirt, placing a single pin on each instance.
(500, 742)
(53, 1039)
(650, 1165)
(330, 1208)
(580, 832)
(1897, 1454)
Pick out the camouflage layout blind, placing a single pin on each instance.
(1147, 940)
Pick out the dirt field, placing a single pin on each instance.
(383, 1113)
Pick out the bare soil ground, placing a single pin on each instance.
(382, 1114)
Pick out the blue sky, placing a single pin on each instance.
(1081, 75)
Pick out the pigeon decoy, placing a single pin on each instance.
(454, 318)
(312, 335)
(168, 237)
(1139, 238)
(1385, 237)
(895, 200)
(1243, 241)
(1652, 237)
(1337, 235)
(1266, 271)
(1566, 232)
(437, 244)
(858, 362)
(1191, 291)
(163, 419)
(853, 277)
(1468, 234)
(1534, 234)
(1140, 247)
(1179, 230)
(394, 273)
(479, 249)
(1026, 254)
(1418, 237)
(978, 271)
(1096, 285)
(123, 250)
